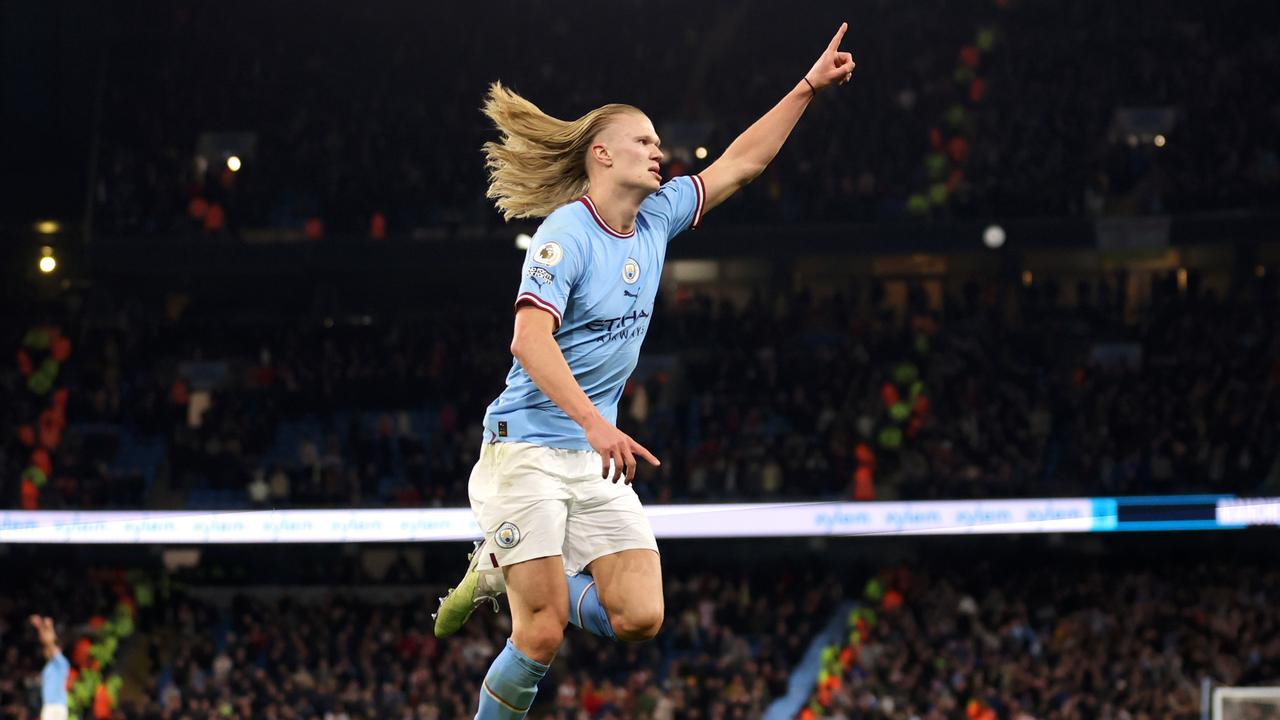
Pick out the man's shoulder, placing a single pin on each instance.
(566, 225)
(571, 219)
(662, 199)
(562, 234)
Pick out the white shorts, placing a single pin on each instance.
(53, 712)
(534, 502)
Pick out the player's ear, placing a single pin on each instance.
(600, 154)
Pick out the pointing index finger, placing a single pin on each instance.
(643, 452)
(835, 41)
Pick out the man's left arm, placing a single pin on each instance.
(753, 150)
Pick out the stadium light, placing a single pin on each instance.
(48, 227)
(233, 163)
(1182, 279)
(700, 153)
(47, 264)
(1159, 141)
(1027, 278)
(523, 241)
(993, 236)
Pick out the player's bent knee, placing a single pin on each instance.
(540, 642)
(637, 624)
(539, 639)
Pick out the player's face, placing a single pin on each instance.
(636, 151)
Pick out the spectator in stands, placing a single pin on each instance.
(53, 679)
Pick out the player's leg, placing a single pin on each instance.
(629, 586)
(482, 581)
(539, 598)
(585, 610)
(522, 505)
(611, 555)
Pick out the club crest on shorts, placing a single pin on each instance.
(507, 535)
(630, 271)
(549, 254)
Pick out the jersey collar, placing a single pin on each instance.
(591, 207)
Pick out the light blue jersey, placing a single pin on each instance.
(600, 286)
(53, 680)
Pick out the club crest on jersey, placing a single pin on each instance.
(549, 254)
(540, 276)
(507, 535)
(630, 271)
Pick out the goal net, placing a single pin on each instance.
(1246, 703)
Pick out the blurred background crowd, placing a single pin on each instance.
(978, 108)
(1129, 635)
(788, 395)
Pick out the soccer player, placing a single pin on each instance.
(569, 541)
(53, 679)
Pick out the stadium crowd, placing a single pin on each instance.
(787, 396)
(726, 652)
(1124, 636)
(370, 119)
(1110, 639)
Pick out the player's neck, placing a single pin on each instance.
(618, 206)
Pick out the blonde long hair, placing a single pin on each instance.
(540, 162)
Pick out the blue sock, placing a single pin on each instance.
(585, 609)
(510, 685)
